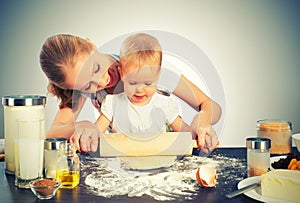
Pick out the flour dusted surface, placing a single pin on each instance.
(107, 177)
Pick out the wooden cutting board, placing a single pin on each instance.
(164, 144)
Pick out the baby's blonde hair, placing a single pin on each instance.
(140, 49)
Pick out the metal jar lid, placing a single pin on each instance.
(258, 143)
(23, 100)
(54, 143)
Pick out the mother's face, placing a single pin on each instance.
(92, 72)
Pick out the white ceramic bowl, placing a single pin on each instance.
(296, 138)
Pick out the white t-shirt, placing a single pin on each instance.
(131, 119)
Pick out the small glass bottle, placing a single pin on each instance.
(258, 155)
(51, 147)
(68, 166)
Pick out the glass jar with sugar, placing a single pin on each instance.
(279, 132)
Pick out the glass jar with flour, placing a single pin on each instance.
(19, 107)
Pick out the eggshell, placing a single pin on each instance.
(206, 176)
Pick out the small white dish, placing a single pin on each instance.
(256, 193)
(276, 158)
(296, 138)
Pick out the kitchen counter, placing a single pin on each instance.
(228, 178)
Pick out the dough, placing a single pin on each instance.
(147, 162)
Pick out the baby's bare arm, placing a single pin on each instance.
(103, 123)
(178, 125)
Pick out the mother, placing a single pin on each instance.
(77, 70)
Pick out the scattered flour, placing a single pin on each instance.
(108, 177)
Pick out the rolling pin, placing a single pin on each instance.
(163, 144)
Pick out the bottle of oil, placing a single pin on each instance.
(68, 166)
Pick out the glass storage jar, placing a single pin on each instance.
(258, 155)
(51, 154)
(19, 107)
(279, 132)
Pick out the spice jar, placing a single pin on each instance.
(68, 166)
(258, 155)
(279, 132)
(51, 154)
(19, 107)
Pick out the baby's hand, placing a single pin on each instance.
(85, 136)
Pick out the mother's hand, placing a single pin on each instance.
(211, 141)
(85, 136)
(207, 139)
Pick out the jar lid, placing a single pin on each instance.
(23, 100)
(258, 143)
(54, 143)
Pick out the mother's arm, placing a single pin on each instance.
(209, 112)
(64, 125)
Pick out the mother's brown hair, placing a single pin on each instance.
(58, 53)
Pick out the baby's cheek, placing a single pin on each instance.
(150, 90)
(129, 89)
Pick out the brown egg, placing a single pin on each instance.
(206, 176)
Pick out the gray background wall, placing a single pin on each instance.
(253, 44)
